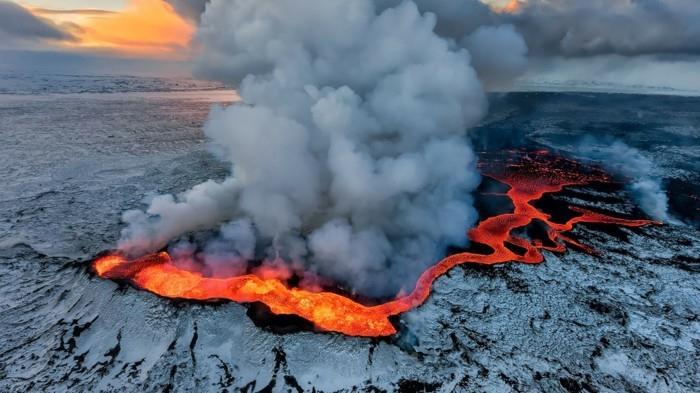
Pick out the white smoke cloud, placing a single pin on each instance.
(202, 207)
(499, 54)
(621, 159)
(562, 27)
(348, 150)
(632, 43)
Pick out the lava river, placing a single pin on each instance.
(529, 176)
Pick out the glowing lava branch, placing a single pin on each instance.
(530, 177)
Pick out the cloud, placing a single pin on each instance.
(190, 9)
(455, 18)
(349, 151)
(645, 36)
(562, 27)
(621, 159)
(499, 54)
(86, 11)
(18, 24)
(148, 28)
(502, 52)
(143, 28)
(595, 27)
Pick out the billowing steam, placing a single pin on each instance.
(562, 27)
(348, 151)
(619, 158)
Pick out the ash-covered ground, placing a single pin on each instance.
(625, 320)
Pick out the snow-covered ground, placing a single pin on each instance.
(24, 83)
(624, 321)
(545, 85)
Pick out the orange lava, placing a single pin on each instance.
(530, 177)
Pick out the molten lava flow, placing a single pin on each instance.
(529, 176)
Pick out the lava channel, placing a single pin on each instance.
(529, 175)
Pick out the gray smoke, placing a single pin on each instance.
(499, 52)
(571, 39)
(456, 19)
(623, 27)
(562, 27)
(348, 152)
(621, 159)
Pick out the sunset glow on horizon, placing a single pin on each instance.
(136, 28)
(143, 28)
(511, 7)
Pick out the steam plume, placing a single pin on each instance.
(627, 161)
(562, 27)
(348, 152)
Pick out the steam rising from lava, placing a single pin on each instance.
(621, 159)
(529, 177)
(348, 151)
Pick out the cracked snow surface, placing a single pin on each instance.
(626, 320)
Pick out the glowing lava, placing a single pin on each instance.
(530, 177)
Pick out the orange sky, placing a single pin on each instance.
(139, 28)
(512, 6)
(143, 28)
(506, 6)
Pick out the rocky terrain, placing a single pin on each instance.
(623, 320)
